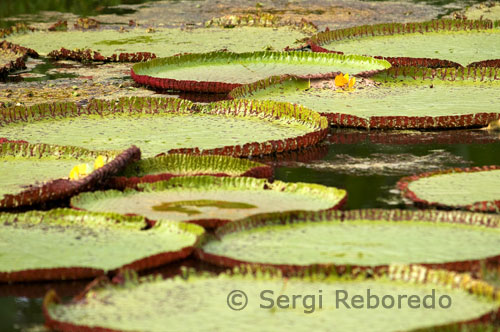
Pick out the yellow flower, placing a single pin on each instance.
(342, 81)
(99, 162)
(79, 171)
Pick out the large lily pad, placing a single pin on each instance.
(35, 174)
(435, 43)
(171, 165)
(223, 71)
(68, 244)
(204, 302)
(212, 201)
(363, 238)
(398, 98)
(474, 189)
(158, 125)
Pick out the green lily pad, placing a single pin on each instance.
(220, 72)
(68, 244)
(159, 125)
(211, 201)
(364, 238)
(452, 41)
(474, 189)
(172, 165)
(204, 303)
(398, 98)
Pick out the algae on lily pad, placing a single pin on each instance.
(398, 98)
(212, 201)
(159, 125)
(236, 301)
(364, 238)
(475, 189)
(221, 72)
(171, 165)
(69, 244)
(436, 43)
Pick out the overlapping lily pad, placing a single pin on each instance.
(200, 302)
(363, 238)
(474, 189)
(68, 244)
(36, 174)
(158, 125)
(437, 43)
(172, 165)
(212, 201)
(221, 72)
(398, 98)
(12, 57)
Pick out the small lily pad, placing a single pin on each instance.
(212, 201)
(474, 189)
(362, 238)
(159, 125)
(68, 244)
(312, 302)
(172, 165)
(221, 72)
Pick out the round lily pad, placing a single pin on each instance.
(398, 98)
(35, 174)
(474, 189)
(172, 165)
(267, 302)
(69, 244)
(212, 201)
(221, 72)
(362, 238)
(435, 43)
(158, 125)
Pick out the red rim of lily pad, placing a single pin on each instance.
(21, 52)
(406, 274)
(434, 216)
(484, 206)
(61, 189)
(222, 87)
(88, 55)
(317, 41)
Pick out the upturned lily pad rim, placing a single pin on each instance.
(127, 178)
(405, 274)
(395, 215)
(60, 189)
(320, 39)
(410, 75)
(154, 105)
(215, 183)
(221, 87)
(81, 272)
(21, 52)
(480, 206)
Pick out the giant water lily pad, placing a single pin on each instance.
(211, 201)
(68, 244)
(223, 71)
(34, 174)
(364, 238)
(204, 303)
(398, 98)
(474, 189)
(436, 43)
(158, 125)
(172, 165)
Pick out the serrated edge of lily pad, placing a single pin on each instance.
(263, 220)
(406, 274)
(481, 206)
(214, 183)
(60, 189)
(19, 62)
(386, 29)
(152, 105)
(88, 55)
(476, 74)
(221, 87)
(76, 272)
(127, 179)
